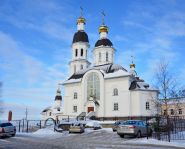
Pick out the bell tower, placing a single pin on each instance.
(103, 51)
(80, 47)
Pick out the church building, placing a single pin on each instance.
(101, 88)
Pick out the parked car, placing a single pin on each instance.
(93, 124)
(76, 128)
(7, 129)
(115, 125)
(136, 128)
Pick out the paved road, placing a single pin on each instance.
(93, 140)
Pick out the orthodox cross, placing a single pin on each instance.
(132, 59)
(103, 16)
(81, 11)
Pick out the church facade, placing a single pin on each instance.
(103, 88)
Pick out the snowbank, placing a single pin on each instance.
(155, 142)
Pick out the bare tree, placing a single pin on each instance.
(167, 85)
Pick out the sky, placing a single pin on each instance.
(36, 37)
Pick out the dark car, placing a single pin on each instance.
(7, 129)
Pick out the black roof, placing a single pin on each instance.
(104, 42)
(80, 36)
(107, 68)
(58, 97)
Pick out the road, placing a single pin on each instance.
(93, 140)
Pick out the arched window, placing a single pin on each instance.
(107, 57)
(115, 92)
(81, 66)
(99, 57)
(75, 95)
(93, 86)
(50, 113)
(74, 68)
(82, 52)
(76, 52)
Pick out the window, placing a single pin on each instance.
(99, 57)
(75, 95)
(147, 106)
(115, 106)
(74, 108)
(171, 111)
(74, 68)
(93, 86)
(165, 113)
(49, 113)
(115, 92)
(81, 66)
(107, 57)
(180, 111)
(76, 52)
(81, 52)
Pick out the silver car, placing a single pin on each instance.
(136, 128)
(7, 129)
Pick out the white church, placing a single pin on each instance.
(102, 88)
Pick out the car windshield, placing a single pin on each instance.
(130, 123)
(5, 124)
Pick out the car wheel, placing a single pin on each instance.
(122, 136)
(139, 134)
(13, 135)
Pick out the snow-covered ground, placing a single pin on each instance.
(156, 142)
(50, 134)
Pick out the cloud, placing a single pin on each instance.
(27, 79)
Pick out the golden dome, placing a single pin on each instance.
(103, 28)
(81, 20)
(132, 65)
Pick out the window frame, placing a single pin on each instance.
(76, 52)
(115, 92)
(172, 112)
(115, 106)
(81, 52)
(99, 54)
(147, 105)
(75, 95)
(107, 56)
(75, 109)
(180, 111)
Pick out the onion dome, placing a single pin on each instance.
(58, 96)
(103, 42)
(103, 28)
(81, 20)
(80, 36)
(132, 65)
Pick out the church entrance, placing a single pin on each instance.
(89, 109)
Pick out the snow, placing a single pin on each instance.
(155, 142)
(72, 81)
(118, 73)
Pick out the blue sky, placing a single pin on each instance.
(36, 36)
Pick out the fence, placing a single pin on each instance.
(169, 128)
(30, 125)
(163, 127)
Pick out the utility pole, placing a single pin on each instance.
(26, 113)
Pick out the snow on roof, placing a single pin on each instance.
(119, 73)
(46, 109)
(108, 70)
